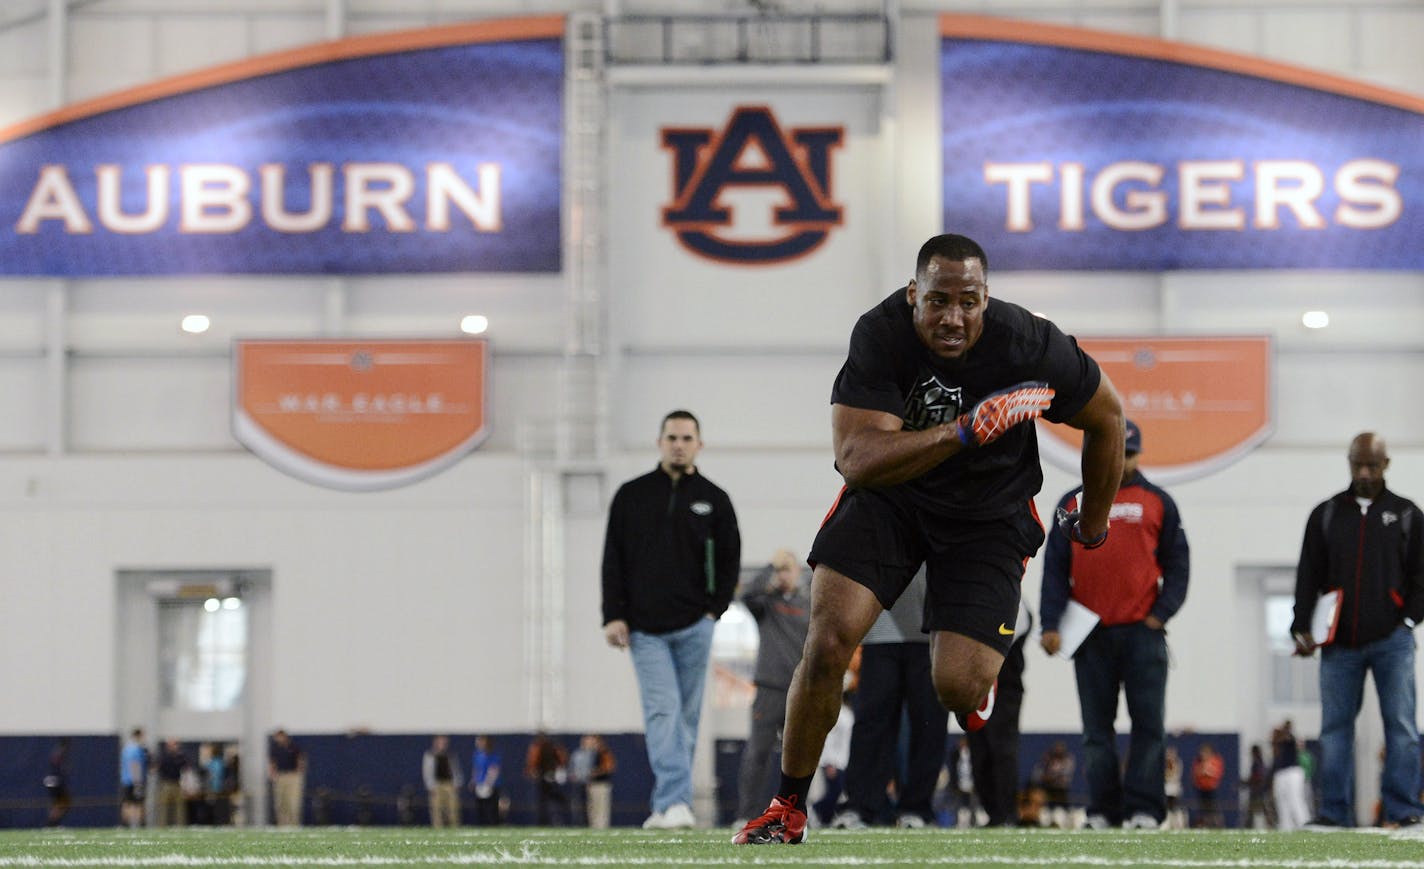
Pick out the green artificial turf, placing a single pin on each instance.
(529, 846)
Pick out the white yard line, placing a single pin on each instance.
(530, 856)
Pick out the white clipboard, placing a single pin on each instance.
(1073, 628)
(1325, 618)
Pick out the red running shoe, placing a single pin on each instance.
(979, 717)
(781, 824)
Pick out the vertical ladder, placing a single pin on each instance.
(582, 380)
(579, 442)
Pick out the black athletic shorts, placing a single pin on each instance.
(973, 568)
(132, 794)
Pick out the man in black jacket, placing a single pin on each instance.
(670, 565)
(1365, 542)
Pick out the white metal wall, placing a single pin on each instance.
(403, 610)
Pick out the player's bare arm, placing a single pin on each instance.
(879, 454)
(1101, 421)
(872, 450)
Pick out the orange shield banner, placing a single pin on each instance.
(360, 415)
(1201, 403)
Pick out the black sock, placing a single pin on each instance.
(794, 789)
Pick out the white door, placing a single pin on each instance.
(1277, 685)
(193, 663)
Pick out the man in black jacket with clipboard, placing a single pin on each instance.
(1366, 543)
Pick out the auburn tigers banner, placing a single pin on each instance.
(360, 415)
(1071, 149)
(1201, 403)
(425, 151)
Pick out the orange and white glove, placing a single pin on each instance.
(1003, 410)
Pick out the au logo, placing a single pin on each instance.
(752, 151)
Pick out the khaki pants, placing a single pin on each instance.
(172, 810)
(600, 804)
(444, 805)
(287, 797)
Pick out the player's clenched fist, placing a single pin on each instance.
(1003, 410)
(1070, 522)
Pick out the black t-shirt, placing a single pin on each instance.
(285, 758)
(889, 369)
(171, 765)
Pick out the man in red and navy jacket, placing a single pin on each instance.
(1135, 582)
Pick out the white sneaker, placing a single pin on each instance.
(678, 817)
(655, 822)
(1097, 822)
(1141, 821)
(910, 822)
(848, 820)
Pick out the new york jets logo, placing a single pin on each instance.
(751, 151)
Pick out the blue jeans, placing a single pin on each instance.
(1342, 689)
(1131, 658)
(672, 669)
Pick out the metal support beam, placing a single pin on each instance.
(335, 19)
(58, 50)
(544, 553)
(56, 431)
(1169, 19)
(56, 368)
(334, 314)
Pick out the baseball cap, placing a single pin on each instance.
(1134, 438)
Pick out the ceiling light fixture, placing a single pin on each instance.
(196, 324)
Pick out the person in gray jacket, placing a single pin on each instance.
(781, 604)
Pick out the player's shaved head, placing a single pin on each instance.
(957, 248)
(1369, 458)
